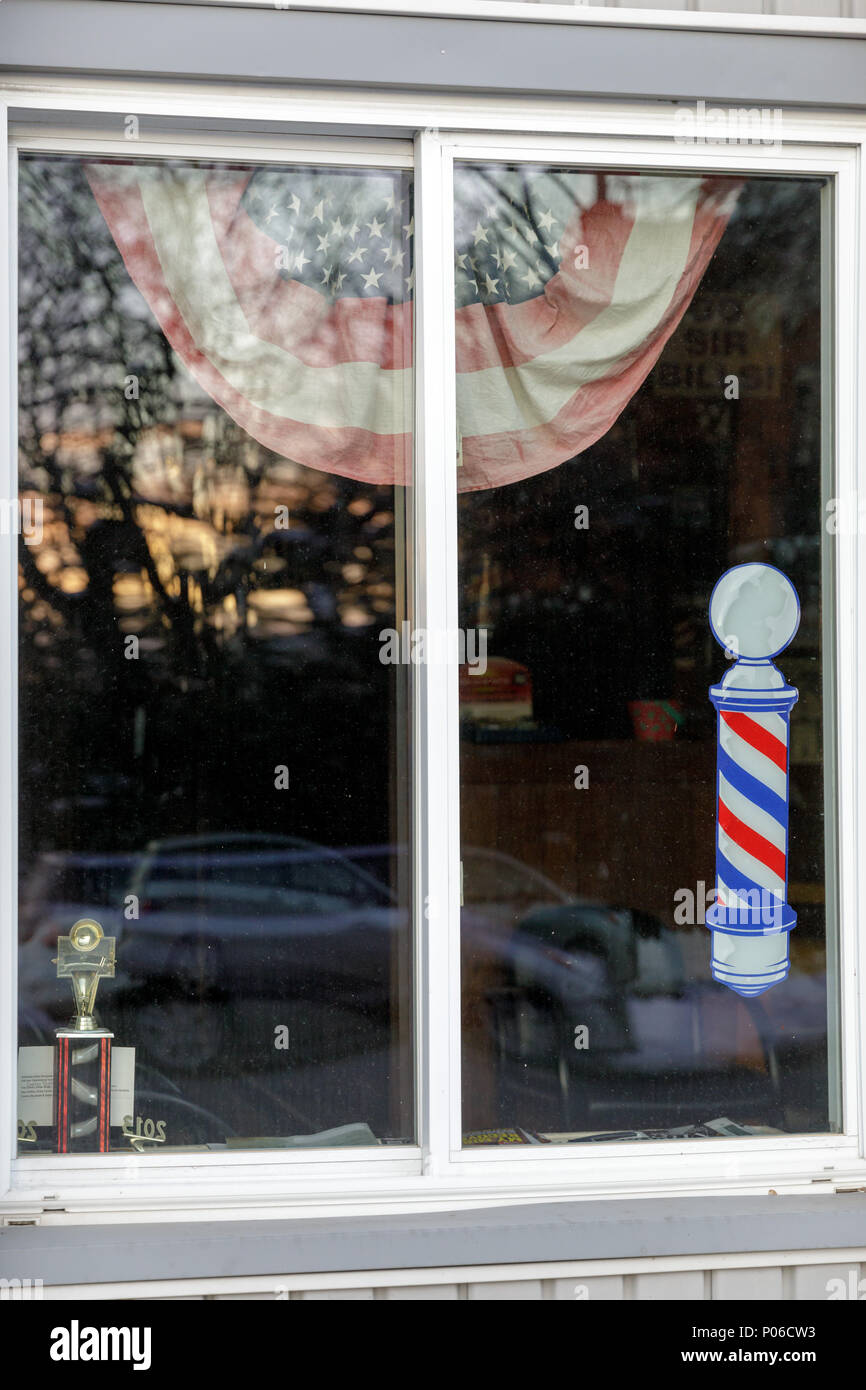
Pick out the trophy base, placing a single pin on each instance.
(82, 1089)
(82, 1034)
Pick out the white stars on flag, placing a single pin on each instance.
(508, 246)
(322, 213)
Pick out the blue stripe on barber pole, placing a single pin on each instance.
(751, 787)
(735, 879)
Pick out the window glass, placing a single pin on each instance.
(639, 405)
(215, 435)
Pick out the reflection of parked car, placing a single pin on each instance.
(539, 964)
(238, 933)
(652, 1041)
(61, 887)
(234, 881)
(496, 887)
(230, 921)
(580, 964)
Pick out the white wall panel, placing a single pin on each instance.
(341, 1295)
(829, 9)
(651, 5)
(824, 9)
(508, 1289)
(591, 1289)
(753, 1285)
(686, 1284)
(729, 6)
(811, 1281)
(427, 1293)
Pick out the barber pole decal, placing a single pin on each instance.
(754, 614)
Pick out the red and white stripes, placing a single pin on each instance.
(752, 807)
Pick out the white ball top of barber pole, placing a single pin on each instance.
(754, 611)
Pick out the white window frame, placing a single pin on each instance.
(570, 12)
(438, 1173)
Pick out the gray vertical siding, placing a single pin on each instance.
(824, 9)
(833, 1280)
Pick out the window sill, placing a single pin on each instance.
(541, 1233)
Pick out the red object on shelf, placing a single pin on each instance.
(655, 721)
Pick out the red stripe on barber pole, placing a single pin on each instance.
(753, 733)
(749, 840)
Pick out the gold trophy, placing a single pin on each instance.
(82, 1079)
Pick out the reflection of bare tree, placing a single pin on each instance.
(239, 574)
(78, 355)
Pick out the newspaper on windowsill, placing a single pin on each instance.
(342, 1137)
(722, 1128)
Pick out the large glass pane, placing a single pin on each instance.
(215, 410)
(639, 398)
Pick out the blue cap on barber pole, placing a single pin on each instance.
(754, 614)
